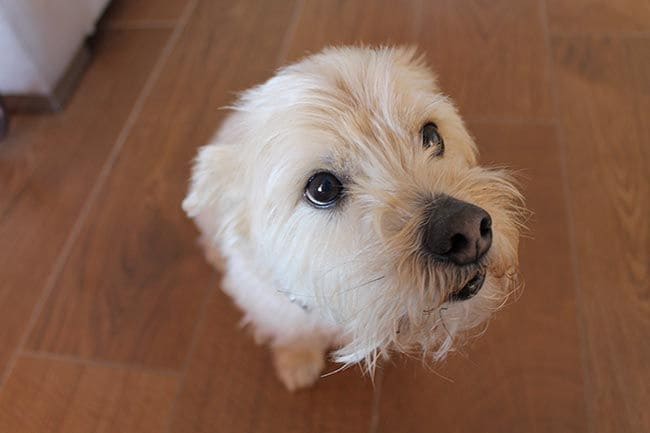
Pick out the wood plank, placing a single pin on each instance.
(48, 165)
(231, 387)
(490, 56)
(598, 16)
(524, 374)
(143, 11)
(136, 275)
(48, 396)
(604, 99)
(344, 22)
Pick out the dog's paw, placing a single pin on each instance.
(298, 366)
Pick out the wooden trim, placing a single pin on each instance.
(4, 119)
(56, 100)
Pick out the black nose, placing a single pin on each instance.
(457, 231)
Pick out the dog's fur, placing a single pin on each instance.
(353, 276)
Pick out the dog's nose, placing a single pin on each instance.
(457, 231)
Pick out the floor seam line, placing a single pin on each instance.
(376, 402)
(91, 362)
(568, 214)
(141, 25)
(198, 327)
(290, 33)
(600, 34)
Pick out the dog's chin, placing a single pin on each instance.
(470, 288)
(440, 327)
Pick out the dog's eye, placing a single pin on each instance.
(431, 139)
(323, 190)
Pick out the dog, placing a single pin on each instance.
(344, 202)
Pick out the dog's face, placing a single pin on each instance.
(352, 184)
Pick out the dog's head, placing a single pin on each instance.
(350, 181)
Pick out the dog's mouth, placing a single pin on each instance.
(470, 289)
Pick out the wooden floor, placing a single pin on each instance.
(110, 321)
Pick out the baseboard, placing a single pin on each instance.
(55, 101)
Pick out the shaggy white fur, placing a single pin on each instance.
(353, 275)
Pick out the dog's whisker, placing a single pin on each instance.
(374, 280)
(359, 255)
(442, 322)
(430, 368)
(338, 370)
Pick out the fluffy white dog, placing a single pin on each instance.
(345, 198)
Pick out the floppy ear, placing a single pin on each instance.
(209, 177)
(215, 199)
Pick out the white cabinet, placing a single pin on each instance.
(40, 40)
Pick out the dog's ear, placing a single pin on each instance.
(215, 199)
(208, 178)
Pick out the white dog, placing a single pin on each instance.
(345, 197)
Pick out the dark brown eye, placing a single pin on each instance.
(323, 190)
(431, 139)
